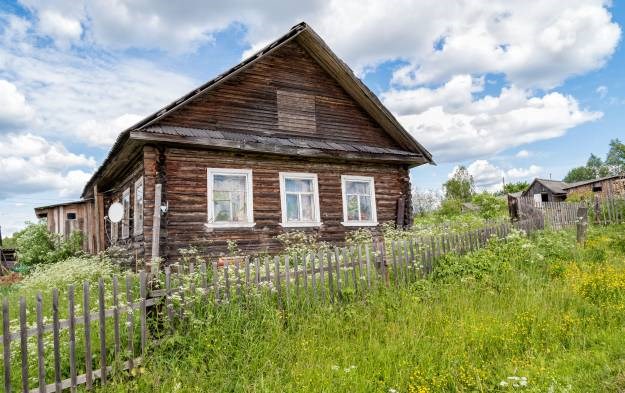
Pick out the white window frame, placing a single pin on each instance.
(316, 222)
(137, 223)
(114, 229)
(126, 217)
(249, 198)
(374, 215)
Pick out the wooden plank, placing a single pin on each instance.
(287, 280)
(24, 344)
(337, 263)
(40, 347)
(102, 325)
(247, 273)
(56, 340)
(116, 319)
(313, 278)
(322, 275)
(6, 344)
(215, 281)
(156, 232)
(87, 321)
(96, 209)
(143, 322)
(130, 320)
(367, 265)
(204, 278)
(330, 277)
(227, 279)
(256, 271)
(72, 337)
(394, 256)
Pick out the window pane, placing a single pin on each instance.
(238, 206)
(298, 185)
(222, 211)
(292, 207)
(352, 208)
(221, 195)
(365, 208)
(229, 182)
(357, 187)
(307, 207)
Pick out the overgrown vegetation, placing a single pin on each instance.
(537, 315)
(36, 245)
(595, 167)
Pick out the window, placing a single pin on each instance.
(71, 216)
(358, 201)
(597, 187)
(138, 208)
(114, 229)
(126, 219)
(230, 202)
(544, 197)
(299, 195)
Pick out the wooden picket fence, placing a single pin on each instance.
(604, 210)
(92, 346)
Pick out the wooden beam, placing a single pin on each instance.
(96, 210)
(156, 229)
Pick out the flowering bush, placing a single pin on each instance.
(36, 245)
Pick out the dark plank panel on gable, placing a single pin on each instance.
(247, 103)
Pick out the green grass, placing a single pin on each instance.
(541, 309)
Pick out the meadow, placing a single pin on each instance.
(538, 314)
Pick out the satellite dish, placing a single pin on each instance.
(116, 212)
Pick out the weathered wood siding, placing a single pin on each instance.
(248, 103)
(134, 244)
(538, 188)
(185, 191)
(614, 187)
(57, 222)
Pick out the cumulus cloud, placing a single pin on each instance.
(470, 127)
(14, 110)
(104, 133)
(31, 164)
(602, 91)
(62, 29)
(522, 154)
(488, 176)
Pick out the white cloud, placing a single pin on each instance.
(537, 43)
(602, 91)
(104, 133)
(471, 128)
(31, 164)
(14, 110)
(488, 176)
(62, 29)
(523, 154)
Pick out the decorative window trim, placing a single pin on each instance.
(137, 223)
(316, 222)
(126, 217)
(374, 215)
(249, 198)
(114, 229)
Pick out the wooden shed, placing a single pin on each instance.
(65, 218)
(546, 190)
(289, 139)
(613, 185)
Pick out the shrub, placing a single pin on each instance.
(359, 236)
(297, 244)
(450, 207)
(490, 205)
(35, 245)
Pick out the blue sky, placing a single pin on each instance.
(508, 89)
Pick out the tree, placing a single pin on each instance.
(461, 185)
(615, 159)
(580, 173)
(425, 201)
(490, 205)
(515, 187)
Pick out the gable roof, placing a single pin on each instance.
(586, 182)
(555, 186)
(318, 49)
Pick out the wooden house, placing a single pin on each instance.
(289, 139)
(65, 218)
(546, 190)
(604, 186)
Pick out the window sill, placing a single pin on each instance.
(301, 224)
(359, 224)
(227, 225)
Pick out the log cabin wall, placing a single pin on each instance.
(248, 102)
(187, 198)
(614, 186)
(134, 243)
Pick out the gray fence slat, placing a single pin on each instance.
(24, 344)
(394, 256)
(143, 322)
(215, 281)
(116, 319)
(87, 318)
(330, 277)
(56, 340)
(287, 279)
(40, 353)
(322, 277)
(227, 278)
(130, 320)
(72, 337)
(367, 264)
(102, 326)
(6, 344)
(203, 273)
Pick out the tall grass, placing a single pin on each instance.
(539, 315)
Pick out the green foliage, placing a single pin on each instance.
(616, 156)
(461, 185)
(510, 188)
(595, 167)
(297, 244)
(35, 245)
(580, 173)
(450, 207)
(490, 205)
(531, 312)
(359, 236)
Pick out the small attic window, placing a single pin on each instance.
(71, 216)
(597, 187)
(296, 112)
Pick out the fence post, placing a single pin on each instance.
(582, 224)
